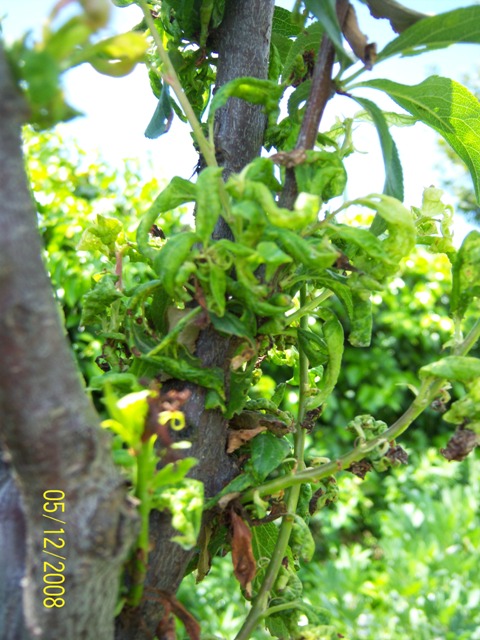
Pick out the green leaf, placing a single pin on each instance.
(446, 106)
(361, 331)
(178, 192)
(399, 222)
(172, 472)
(322, 174)
(254, 90)
(300, 95)
(325, 12)
(314, 346)
(208, 202)
(99, 299)
(230, 325)
(267, 452)
(393, 167)
(455, 368)
(365, 240)
(283, 24)
(211, 378)
(273, 257)
(308, 40)
(466, 275)
(171, 257)
(333, 335)
(185, 502)
(101, 236)
(435, 32)
(162, 116)
(116, 56)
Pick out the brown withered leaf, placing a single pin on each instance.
(400, 17)
(244, 566)
(357, 40)
(460, 445)
(360, 468)
(240, 359)
(204, 558)
(239, 437)
(252, 419)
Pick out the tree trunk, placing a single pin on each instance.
(50, 435)
(243, 43)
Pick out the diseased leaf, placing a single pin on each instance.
(254, 90)
(267, 452)
(361, 331)
(446, 106)
(455, 368)
(400, 17)
(162, 116)
(325, 12)
(322, 174)
(400, 224)
(308, 40)
(466, 275)
(211, 378)
(171, 257)
(393, 167)
(97, 301)
(116, 56)
(435, 32)
(238, 437)
(209, 206)
(365, 51)
(333, 335)
(231, 325)
(244, 565)
(178, 192)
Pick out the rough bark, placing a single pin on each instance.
(243, 42)
(49, 431)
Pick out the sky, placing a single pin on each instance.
(117, 110)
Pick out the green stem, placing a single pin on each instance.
(169, 76)
(429, 390)
(259, 606)
(465, 346)
(140, 561)
(310, 306)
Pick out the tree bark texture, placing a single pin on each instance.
(50, 434)
(243, 42)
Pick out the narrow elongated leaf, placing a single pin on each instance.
(456, 368)
(446, 106)
(208, 202)
(162, 116)
(325, 12)
(333, 334)
(178, 192)
(400, 17)
(393, 167)
(435, 32)
(466, 274)
(210, 378)
(308, 40)
(254, 90)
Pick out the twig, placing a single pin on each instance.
(320, 93)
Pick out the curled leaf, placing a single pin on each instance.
(244, 565)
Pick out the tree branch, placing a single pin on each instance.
(49, 428)
(320, 93)
(243, 49)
